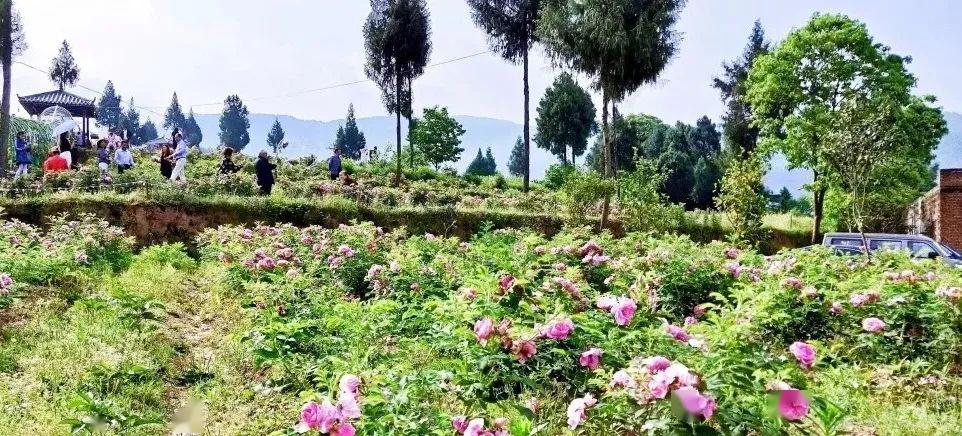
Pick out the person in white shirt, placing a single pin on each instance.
(123, 157)
(180, 159)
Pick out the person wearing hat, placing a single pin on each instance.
(264, 170)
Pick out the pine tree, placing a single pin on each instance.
(516, 163)
(478, 166)
(234, 124)
(109, 111)
(64, 71)
(192, 130)
(740, 135)
(175, 115)
(566, 118)
(148, 132)
(275, 138)
(492, 166)
(130, 124)
(349, 138)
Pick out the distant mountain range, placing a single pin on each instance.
(315, 137)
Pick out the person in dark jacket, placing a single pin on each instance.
(264, 170)
(227, 166)
(334, 164)
(23, 155)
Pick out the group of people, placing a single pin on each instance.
(172, 158)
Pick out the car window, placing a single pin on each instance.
(921, 249)
(846, 242)
(952, 253)
(884, 244)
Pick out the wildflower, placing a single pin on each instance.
(5, 281)
(590, 248)
(836, 308)
(694, 402)
(558, 330)
(873, 325)
(591, 358)
(792, 405)
(576, 410)
(732, 253)
(506, 282)
(623, 310)
(345, 251)
(349, 383)
(321, 417)
(656, 364)
(804, 353)
(482, 329)
(734, 268)
(568, 286)
(475, 427)
(690, 320)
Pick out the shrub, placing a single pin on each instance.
(643, 207)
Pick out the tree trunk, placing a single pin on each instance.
(527, 127)
(818, 209)
(606, 139)
(411, 115)
(6, 57)
(397, 96)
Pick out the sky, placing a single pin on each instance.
(270, 52)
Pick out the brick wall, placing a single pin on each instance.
(950, 207)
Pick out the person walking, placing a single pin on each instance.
(165, 161)
(123, 157)
(23, 155)
(264, 170)
(66, 148)
(180, 159)
(334, 164)
(227, 166)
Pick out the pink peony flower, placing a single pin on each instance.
(577, 408)
(677, 332)
(656, 364)
(345, 429)
(591, 247)
(809, 292)
(524, 350)
(591, 358)
(694, 402)
(605, 302)
(459, 423)
(792, 282)
(623, 311)
(483, 328)
(506, 282)
(836, 308)
(559, 330)
(348, 405)
(310, 417)
(5, 280)
(621, 378)
(804, 353)
(734, 268)
(349, 383)
(873, 325)
(659, 386)
(475, 427)
(792, 405)
(732, 253)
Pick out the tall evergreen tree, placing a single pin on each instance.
(12, 43)
(192, 130)
(397, 36)
(349, 138)
(511, 28)
(566, 118)
(234, 124)
(516, 162)
(622, 44)
(64, 70)
(129, 123)
(109, 111)
(492, 165)
(275, 138)
(478, 166)
(740, 135)
(148, 132)
(174, 118)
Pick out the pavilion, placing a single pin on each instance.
(76, 105)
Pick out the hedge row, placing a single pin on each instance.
(179, 218)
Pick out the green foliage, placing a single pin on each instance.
(517, 164)
(64, 70)
(643, 207)
(234, 124)
(437, 136)
(349, 138)
(275, 138)
(109, 112)
(130, 124)
(482, 165)
(174, 117)
(566, 118)
(192, 131)
(741, 198)
(581, 193)
(740, 135)
(556, 176)
(148, 132)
